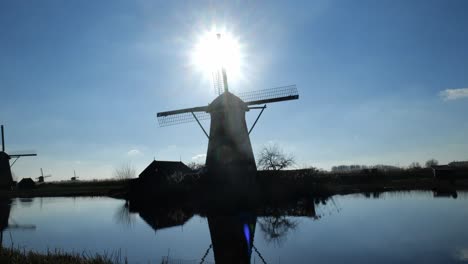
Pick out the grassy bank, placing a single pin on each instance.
(269, 183)
(113, 188)
(328, 183)
(16, 256)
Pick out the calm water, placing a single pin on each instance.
(412, 227)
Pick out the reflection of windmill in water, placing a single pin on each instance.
(6, 179)
(229, 148)
(232, 232)
(5, 207)
(42, 177)
(232, 235)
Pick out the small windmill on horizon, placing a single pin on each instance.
(229, 148)
(6, 179)
(74, 178)
(42, 177)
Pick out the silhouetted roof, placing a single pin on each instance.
(162, 168)
(26, 183)
(160, 218)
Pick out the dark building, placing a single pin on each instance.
(453, 171)
(26, 183)
(159, 178)
(160, 218)
(443, 172)
(164, 172)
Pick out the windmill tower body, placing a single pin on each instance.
(230, 157)
(6, 179)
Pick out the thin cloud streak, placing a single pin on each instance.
(199, 157)
(134, 152)
(454, 94)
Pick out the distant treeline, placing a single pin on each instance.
(351, 168)
(385, 168)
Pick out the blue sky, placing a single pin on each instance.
(380, 82)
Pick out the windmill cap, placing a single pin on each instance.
(227, 100)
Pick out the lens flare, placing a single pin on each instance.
(211, 53)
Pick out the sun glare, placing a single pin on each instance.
(211, 53)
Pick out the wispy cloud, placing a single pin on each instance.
(454, 94)
(199, 157)
(134, 152)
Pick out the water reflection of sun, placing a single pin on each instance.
(210, 53)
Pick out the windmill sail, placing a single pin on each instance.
(271, 95)
(218, 82)
(22, 154)
(265, 96)
(182, 116)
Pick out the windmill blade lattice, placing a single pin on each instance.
(186, 115)
(270, 95)
(181, 117)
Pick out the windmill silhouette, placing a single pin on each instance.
(6, 179)
(229, 148)
(42, 177)
(74, 178)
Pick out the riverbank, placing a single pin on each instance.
(16, 256)
(112, 188)
(269, 183)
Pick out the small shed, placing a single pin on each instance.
(162, 172)
(26, 183)
(443, 172)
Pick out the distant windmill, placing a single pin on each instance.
(229, 149)
(42, 177)
(6, 179)
(74, 178)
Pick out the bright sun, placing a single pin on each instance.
(211, 53)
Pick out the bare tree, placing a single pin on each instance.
(276, 228)
(414, 165)
(123, 216)
(125, 171)
(195, 166)
(273, 158)
(431, 162)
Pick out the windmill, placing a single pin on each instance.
(74, 178)
(6, 179)
(42, 177)
(229, 148)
